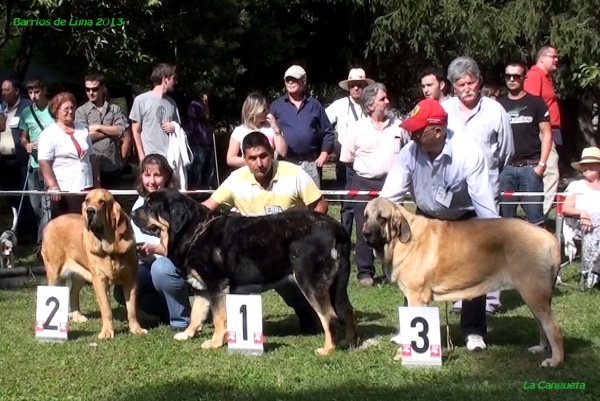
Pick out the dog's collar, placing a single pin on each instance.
(202, 229)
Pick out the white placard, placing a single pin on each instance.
(244, 323)
(52, 313)
(420, 336)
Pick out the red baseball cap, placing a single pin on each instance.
(426, 112)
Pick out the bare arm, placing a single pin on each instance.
(233, 151)
(136, 130)
(126, 144)
(95, 171)
(319, 206)
(48, 175)
(211, 204)
(2, 122)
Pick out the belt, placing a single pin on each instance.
(310, 157)
(524, 162)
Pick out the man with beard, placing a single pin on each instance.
(446, 174)
(153, 113)
(266, 186)
(485, 121)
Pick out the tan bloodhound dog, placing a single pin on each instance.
(97, 246)
(453, 260)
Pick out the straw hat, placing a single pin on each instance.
(356, 74)
(588, 156)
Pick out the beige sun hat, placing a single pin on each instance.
(356, 74)
(589, 155)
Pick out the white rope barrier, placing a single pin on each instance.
(349, 194)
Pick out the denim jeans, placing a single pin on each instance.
(202, 172)
(39, 203)
(523, 179)
(161, 292)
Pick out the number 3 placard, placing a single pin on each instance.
(420, 335)
(244, 323)
(52, 313)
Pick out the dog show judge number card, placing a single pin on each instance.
(52, 313)
(244, 324)
(420, 335)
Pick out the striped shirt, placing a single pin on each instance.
(290, 187)
(371, 151)
(490, 127)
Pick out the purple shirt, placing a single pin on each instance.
(200, 133)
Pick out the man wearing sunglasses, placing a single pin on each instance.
(529, 117)
(447, 175)
(107, 126)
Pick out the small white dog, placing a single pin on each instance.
(8, 243)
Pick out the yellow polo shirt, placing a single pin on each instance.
(289, 187)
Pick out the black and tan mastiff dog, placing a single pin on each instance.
(220, 253)
(453, 260)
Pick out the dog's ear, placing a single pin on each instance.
(401, 226)
(118, 219)
(179, 216)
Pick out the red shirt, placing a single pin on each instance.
(538, 83)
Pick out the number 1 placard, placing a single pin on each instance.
(244, 323)
(420, 335)
(52, 313)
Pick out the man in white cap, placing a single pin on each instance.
(304, 124)
(343, 114)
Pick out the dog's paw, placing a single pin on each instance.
(324, 351)
(182, 336)
(138, 330)
(537, 349)
(210, 344)
(549, 363)
(106, 334)
(77, 317)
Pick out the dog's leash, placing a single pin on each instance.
(15, 223)
(449, 344)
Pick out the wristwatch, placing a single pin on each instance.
(542, 164)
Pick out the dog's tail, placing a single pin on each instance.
(339, 289)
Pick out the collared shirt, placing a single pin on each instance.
(290, 187)
(307, 129)
(538, 83)
(107, 151)
(7, 141)
(342, 117)
(489, 126)
(371, 151)
(459, 169)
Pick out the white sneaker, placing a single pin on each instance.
(396, 339)
(475, 342)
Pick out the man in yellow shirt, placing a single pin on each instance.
(266, 186)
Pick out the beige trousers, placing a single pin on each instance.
(551, 179)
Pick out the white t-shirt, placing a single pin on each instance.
(141, 237)
(240, 132)
(586, 198)
(73, 173)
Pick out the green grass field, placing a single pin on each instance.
(156, 367)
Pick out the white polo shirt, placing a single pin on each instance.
(73, 173)
(341, 117)
(460, 169)
(490, 127)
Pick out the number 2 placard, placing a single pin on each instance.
(244, 323)
(52, 313)
(420, 335)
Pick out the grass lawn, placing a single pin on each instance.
(156, 367)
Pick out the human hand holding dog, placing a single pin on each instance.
(586, 222)
(145, 249)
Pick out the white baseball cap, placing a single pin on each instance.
(295, 71)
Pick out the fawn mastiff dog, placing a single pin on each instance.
(452, 260)
(97, 246)
(220, 254)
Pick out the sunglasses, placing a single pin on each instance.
(516, 77)
(94, 89)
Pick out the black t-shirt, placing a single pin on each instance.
(525, 116)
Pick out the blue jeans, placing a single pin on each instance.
(523, 179)
(202, 172)
(161, 292)
(39, 203)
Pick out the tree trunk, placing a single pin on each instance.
(25, 53)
